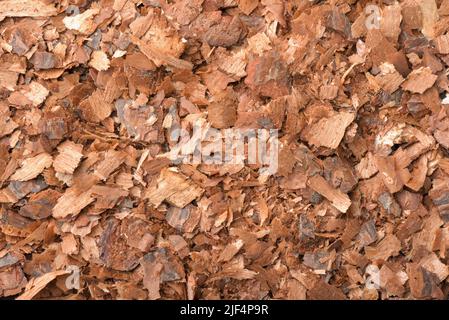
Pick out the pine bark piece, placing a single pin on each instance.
(152, 278)
(338, 199)
(234, 271)
(26, 8)
(36, 285)
(222, 111)
(140, 122)
(13, 224)
(160, 266)
(418, 174)
(185, 219)
(442, 137)
(115, 251)
(433, 264)
(358, 27)
(444, 165)
(69, 245)
(32, 167)
(9, 260)
(392, 281)
(276, 7)
(124, 180)
(68, 158)
(221, 116)
(231, 250)
(430, 17)
(233, 64)
(419, 80)
(268, 75)
(324, 291)
(40, 204)
(366, 168)
(141, 24)
(440, 196)
(7, 124)
(389, 79)
(390, 24)
(138, 234)
(83, 23)
(99, 61)
(226, 33)
(174, 188)
(12, 281)
(389, 173)
(328, 132)
(248, 6)
(17, 190)
(386, 248)
(159, 57)
(442, 44)
(112, 160)
(338, 21)
(159, 34)
(43, 60)
(8, 79)
(315, 260)
(412, 224)
(423, 284)
(368, 233)
(96, 108)
(35, 92)
(388, 204)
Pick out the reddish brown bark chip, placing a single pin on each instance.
(99, 61)
(111, 161)
(68, 158)
(110, 113)
(115, 253)
(159, 57)
(222, 113)
(389, 173)
(174, 188)
(96, 108)
(40, 204)
(248, 6)
(328, 132)
(442, 137)
(32, 167)
(27, 8)
(339, 22)
(338, 199)
(386, 248)
(185, 219)
(419, 80)
(44, 60)
(71, 203)
(324, 291)
(226, 33)
(391, 21)
(268, 75)
(442, 44)
(12, 281)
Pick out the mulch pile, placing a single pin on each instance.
(91, 91)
